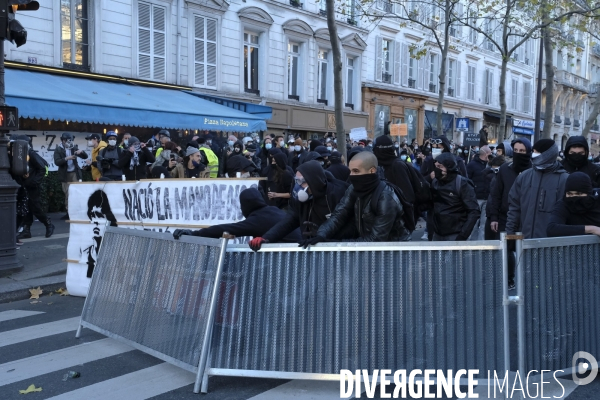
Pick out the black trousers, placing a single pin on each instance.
(35, 208)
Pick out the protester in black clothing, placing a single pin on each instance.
(324, 152)
(264, 152)
(576, 153)
(489, 175)
(259, 218)
(394, 169)
(108, 159)
(455, 208)
(380, 222)
(336, 168)
(32, 182)
(354, 151)
(578, 212)
(483, 136)
(475, 172)
(134, 159)
(440, 145)
(280, 181)
(243, 166)
(314, 197)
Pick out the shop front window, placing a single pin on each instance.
(431, 124)
(381, 117)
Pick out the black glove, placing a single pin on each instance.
(180, 232)
(310, 242)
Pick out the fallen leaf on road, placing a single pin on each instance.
(49, 303)
(35, 293)
(64, 293)
(34, 302)
(61, 291)
(30, 389)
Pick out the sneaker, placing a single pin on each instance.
(425, 236)
(19, 243)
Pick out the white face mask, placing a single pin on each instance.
(125, 142)
(403, 157)
(268, 146)
(231, 143)
(297, 148)
(534, 155)
(90, 143)
(281, 143)
(435, 153)
(112, 142)
(329, 148)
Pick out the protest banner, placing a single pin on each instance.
(157, 205)
(398, 129)
(45, 142)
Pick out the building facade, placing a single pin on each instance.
(269, 52)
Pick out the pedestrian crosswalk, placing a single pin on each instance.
(38, 347)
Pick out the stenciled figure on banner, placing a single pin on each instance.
(99, 213)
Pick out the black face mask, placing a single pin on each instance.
(580, 205)
(364, 184)
(521, 161)
(438, 173)
(577, 160)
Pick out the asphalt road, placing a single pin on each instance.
(38, 346)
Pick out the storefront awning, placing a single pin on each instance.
(496, 115)
(46, 96)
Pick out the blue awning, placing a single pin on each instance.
(523, 131)
(258, 110)
(62, 98)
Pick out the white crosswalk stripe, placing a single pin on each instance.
(140, 385)
(14, 314)
(60, 359)
(38, 331)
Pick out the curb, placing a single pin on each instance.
(19, 290)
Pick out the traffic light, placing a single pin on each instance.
(10, 28)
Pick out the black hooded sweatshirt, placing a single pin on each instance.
(308, 216)
(337, 169)
(284, 184)
(259, 219)
(567, 222)
(587, 167)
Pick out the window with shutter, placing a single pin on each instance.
(451, 83)
(458, 79)
(151, 42)
(74, 32)
(471, 74)
(473, 22)
(378, 57)
(527, 97)
(350, 82)
(397, 62)
(205, 52)
(322, 77)
(251, 64)
(433, 73)
(514, 94)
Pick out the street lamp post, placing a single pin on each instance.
(12, 30)
(8, 195)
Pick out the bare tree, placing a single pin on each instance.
(436, 17)
(513, 23)
(338, 86)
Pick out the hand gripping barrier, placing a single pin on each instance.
(291, 313)
(156, 294)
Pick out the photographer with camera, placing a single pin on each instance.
(133, 160)
(108, 159)
(168, 163)
(65, 158)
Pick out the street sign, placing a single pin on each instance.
(462, 124)
(471, 139)
(9, 118)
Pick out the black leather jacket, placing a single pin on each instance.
(454, 211)
(384, 225)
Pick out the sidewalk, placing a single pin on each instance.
(42, 260)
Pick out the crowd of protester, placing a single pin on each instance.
(311, 194)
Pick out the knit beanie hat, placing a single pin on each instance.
(298, 142)
(579, 182)
(542, 145)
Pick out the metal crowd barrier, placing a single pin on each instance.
(297, 314)
(291, 313)
(560, 312)
(156, 294)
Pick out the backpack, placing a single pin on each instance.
(422, 189)
(40, 160)
(409, 211)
